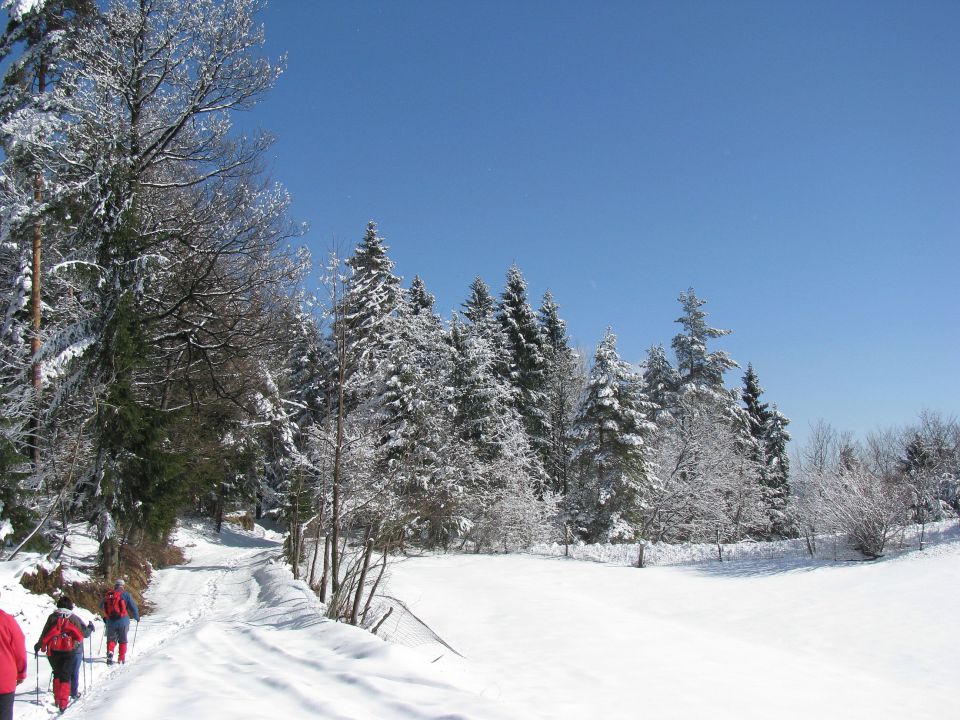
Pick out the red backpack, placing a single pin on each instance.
(59, 638)
(114, 605)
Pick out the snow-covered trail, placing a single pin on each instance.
(235, 636)
(567, 639)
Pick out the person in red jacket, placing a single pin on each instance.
(58, 640)
(117, 607)
(13, 663)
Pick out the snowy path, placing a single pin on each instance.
(234, 636)
(567, 639)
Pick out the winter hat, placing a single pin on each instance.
(65, 603)
(118, 583)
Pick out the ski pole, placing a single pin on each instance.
(36, 655)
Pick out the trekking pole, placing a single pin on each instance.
(136, 630)
(36, 655)
(83, 662)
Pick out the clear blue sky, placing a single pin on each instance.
(798, 164)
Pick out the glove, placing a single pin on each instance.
(90, 626)
(36, 648)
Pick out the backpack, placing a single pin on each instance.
(61, 640)
(114, 605)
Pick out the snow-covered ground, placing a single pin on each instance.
(562, 639)
(235, 636)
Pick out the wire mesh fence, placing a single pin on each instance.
(391, 619)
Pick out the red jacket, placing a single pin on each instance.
(13, 654)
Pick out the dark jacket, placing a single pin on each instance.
(76, 628)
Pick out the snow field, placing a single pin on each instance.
(566, 639)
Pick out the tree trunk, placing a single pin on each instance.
(110, 557)
(363, 578)
(326, 568)
(221, 501)
(35, 307)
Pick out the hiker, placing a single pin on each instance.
(117, 608)
(60, 637)
(13, 663)
(65, 603)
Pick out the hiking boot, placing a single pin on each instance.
(109, 658)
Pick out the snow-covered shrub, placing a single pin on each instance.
(858, 502)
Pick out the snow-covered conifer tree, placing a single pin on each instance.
(373, 294)
(765, 444)
(564, 384)
(525, 349)
(660, 380)
(699, 370)
(424, 459)
(480, 304)
(612, 429)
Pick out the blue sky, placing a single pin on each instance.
(798, 164)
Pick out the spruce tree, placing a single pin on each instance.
(372, 297)
(564, 382)
(420, 301)
(420, 451)
(527, 364)
(765, 444)
(612, 430)
(479, 306)
(660, 380)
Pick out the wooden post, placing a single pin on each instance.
(640, 559)
(382, 621)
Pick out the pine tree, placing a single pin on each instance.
(525, 347)
(41, 31)
(758, 413)
(480, 305)
(373, 295)
(699, 370)
(612, 430)
(765, 444)
(421, 301)
(564, 383)
(420, 451)
(660, 380)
